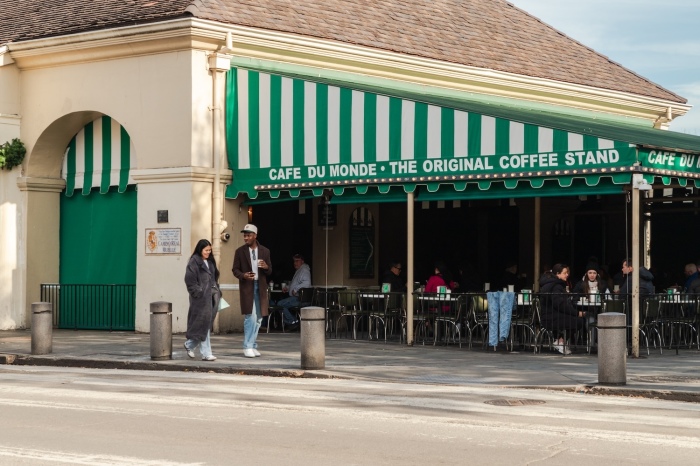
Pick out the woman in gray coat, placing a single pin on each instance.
(202, 280)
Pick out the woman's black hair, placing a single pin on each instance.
(557, 268)
(201, 244)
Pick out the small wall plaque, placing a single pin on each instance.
(162, 216)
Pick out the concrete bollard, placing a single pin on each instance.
(313, 337)
(612, 348)
(161, 330)
(42, 328)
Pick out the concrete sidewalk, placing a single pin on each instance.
(668, 376)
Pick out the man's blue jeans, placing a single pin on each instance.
(252, 321)
(500, 313)
(286, 303)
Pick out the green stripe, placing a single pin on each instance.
(560, 141)
(474, 141)
(345, 125)
(502, 136)
(531, 136)
(370, 108)
(89, 154)
(420, 131)
(590, 142)
(298, 135)
(275, 121)
(125, 142)
(447, 132)
(395, 128)
(322, 124)
(106, 153)
(70, 167)
(232, 117)
(254, 119)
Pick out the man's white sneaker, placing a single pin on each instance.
(256, 353)
(190, 353)
(211, 357)
(248, 353)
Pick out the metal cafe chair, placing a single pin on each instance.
(478, 318)
(348, 311)
(274, 312)
(306, 297)
(522, 322)
(450, 321)
(652, 323)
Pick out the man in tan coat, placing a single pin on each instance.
(252, 266)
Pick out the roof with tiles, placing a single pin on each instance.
(491, 34)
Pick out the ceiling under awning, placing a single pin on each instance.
(286, 134)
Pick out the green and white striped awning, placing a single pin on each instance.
(287, 134)
(99, 156)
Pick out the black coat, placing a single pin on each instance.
(204, 294)
(557, 312)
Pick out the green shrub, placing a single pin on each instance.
(12, 154)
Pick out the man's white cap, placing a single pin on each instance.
(250, 228)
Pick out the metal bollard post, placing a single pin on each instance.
(161, 330)
(313, 337)
(42, 328)
(612, 348)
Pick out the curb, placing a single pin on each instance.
(157, 366)
(630, 392)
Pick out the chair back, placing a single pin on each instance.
(479, 308)
(306, 296)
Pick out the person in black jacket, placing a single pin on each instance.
(557, 311)
(591, 283)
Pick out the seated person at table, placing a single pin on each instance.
(591, 284)
(441, 277)
(558, 312)
(393, 277)
(646, 286)
(302, 279)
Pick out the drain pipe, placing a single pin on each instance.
(219, 63)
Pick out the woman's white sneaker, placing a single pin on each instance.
(211, 357)
(248, 353)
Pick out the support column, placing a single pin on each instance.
(635, 265)
(409, 267)
(537, 250)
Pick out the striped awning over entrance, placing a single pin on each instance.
(291, 134)
(99, 156)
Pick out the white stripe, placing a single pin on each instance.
(96, 153)
(408, 116)
(287, 122)
(79, 159)
(434, 132)
(116, 153)
(382, 128)
(310, 155)
(575, 141)
(333, 125)
(357, 126)
(517, 138)
(545, 140)
(461, 134)
(605, 144)
(488, 135)
(264, 120)
(243, 141)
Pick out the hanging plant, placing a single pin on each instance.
(12, 154)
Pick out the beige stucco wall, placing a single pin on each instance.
(337, 266)
(11, 207)
(164, 102)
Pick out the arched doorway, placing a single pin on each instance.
(97, 261)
